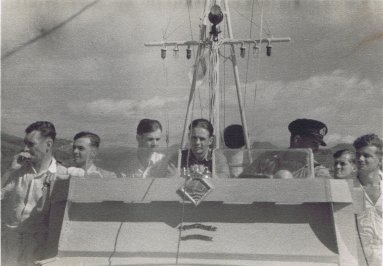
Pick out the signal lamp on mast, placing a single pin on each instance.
(215, 17)
(188, 52)
(163, 52)
(242, 50)
(268, 49)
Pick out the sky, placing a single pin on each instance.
(83, 65)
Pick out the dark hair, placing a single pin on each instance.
(94, 138)
(339, 153)
(233, 136)
(46, 129)
(147, 126)
(202, 123)
(369, 140)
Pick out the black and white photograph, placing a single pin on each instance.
(191, 132)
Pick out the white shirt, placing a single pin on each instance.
(26, 194)
(370, 227)
(155, 167)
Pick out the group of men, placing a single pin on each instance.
(34, 172)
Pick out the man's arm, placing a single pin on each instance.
(8, 187)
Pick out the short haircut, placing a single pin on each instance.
(202, 123)
(369, 140)
(339, 153)
(46, 129)
(147, 126)
(233, 136)
(94, 138)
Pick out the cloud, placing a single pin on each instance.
(338, 138)
(123, 107)
(349, 104)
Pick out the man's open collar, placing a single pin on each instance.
(92, 169)
(208, 156)
(53, 166)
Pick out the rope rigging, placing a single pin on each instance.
(209, 51)
(248, 55)
(258, 67)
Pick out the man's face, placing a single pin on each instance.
(343, 167)
(83, 152)
(149, 140)
(200, 141)
(367, 159)
(37, 146)
(305, 142)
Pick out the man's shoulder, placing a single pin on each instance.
(60, 168)
(219, 155)
(157, 157)
(61, 171)
(106, 174)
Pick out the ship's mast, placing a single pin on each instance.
(213, 42)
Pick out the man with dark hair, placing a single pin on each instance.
(200, 157)
(85, 150)
(147, 162)
(344, 164)
(26, 195)
(235, 141)
(233, 136)
(308, 134)
(369, 221)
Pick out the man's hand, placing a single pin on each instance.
(19, 160)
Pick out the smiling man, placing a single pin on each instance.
(369, 221)
(26, 196)
(344, 164)
(85, 150)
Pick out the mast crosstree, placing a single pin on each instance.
(213, 42)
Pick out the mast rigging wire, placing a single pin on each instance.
(259, 65)
(188, 154)
(47, 32)
(248, 56)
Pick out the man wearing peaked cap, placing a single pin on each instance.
(308, 134)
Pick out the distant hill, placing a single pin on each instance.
(111, 158)
(263, 145)
(342, 146)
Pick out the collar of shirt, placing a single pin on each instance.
(208, 157)
(367, 199)
(52, 169)
(143, 171)
(154, 158)
(92, 169)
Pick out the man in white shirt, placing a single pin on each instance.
(147, 162)
(369, 221)
(85, 150)
(26, 196)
